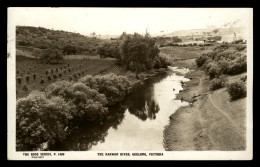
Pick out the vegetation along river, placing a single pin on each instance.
(137, 123)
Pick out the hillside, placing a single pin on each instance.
(222, 31)
(28, 38)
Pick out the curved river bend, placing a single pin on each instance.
(137, 123)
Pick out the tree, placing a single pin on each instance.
(114, 87)
(40, 119)
(69, 50)
(137, 51)
(88, 102)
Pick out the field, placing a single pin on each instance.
(212, 121)
(84, 67)
(182, 53)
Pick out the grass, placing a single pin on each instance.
(182, 53)
(89, 66)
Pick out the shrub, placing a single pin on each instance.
(237, 90)
(34, 76)
(244, 78)
(42, 81)
(49, 78)
(40, 119)
(214, 72)
(69, 70)
(79, 74)
(114, 87)
(68, 64)
(70, 78)
(216, 84)
(83, 72)
(201, 60)
(27, 78)
(51, 70)
(25, 88)
(19, 80)
(75, 75)
(60, 75)
(161, 62)
(46, 72)
(54, 76)
(88, 102)
(240, 47)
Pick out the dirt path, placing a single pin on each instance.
(220, 110)
(210, 124)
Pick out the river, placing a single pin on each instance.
(137, 123)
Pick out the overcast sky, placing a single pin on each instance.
(114, 21)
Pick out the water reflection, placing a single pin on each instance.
(91, 133)
(143, 104)
(147, 110)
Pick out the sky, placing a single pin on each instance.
(114, 21)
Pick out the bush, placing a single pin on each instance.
(69, 70)
(46, 72)
(114, 87)
(54, 76)
(70, 78)
(39, 120)
(27, 78)
(49, 78)
(201, 60)
(19, 80)
(34, 76)
(60, 75)
(25, 88)
(161, 62)
(75, 75)
(42, 81)
(52, 71)
(216, 84)
(237, 90)
(89, 104)
(240, 47)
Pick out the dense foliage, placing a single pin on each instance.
(114, 87)
(110, 49)
(40, 119)
(137, 52)
(48, 116)
(223, 60)
(42, 38)
(237, 90)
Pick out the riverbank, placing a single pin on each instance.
(210, 122)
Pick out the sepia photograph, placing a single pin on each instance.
(90, 83)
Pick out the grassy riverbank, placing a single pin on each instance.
(211, 122)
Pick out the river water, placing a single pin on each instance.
(137, 123)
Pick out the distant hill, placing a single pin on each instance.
(109, 36)
(42, 38)
(222, 31)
